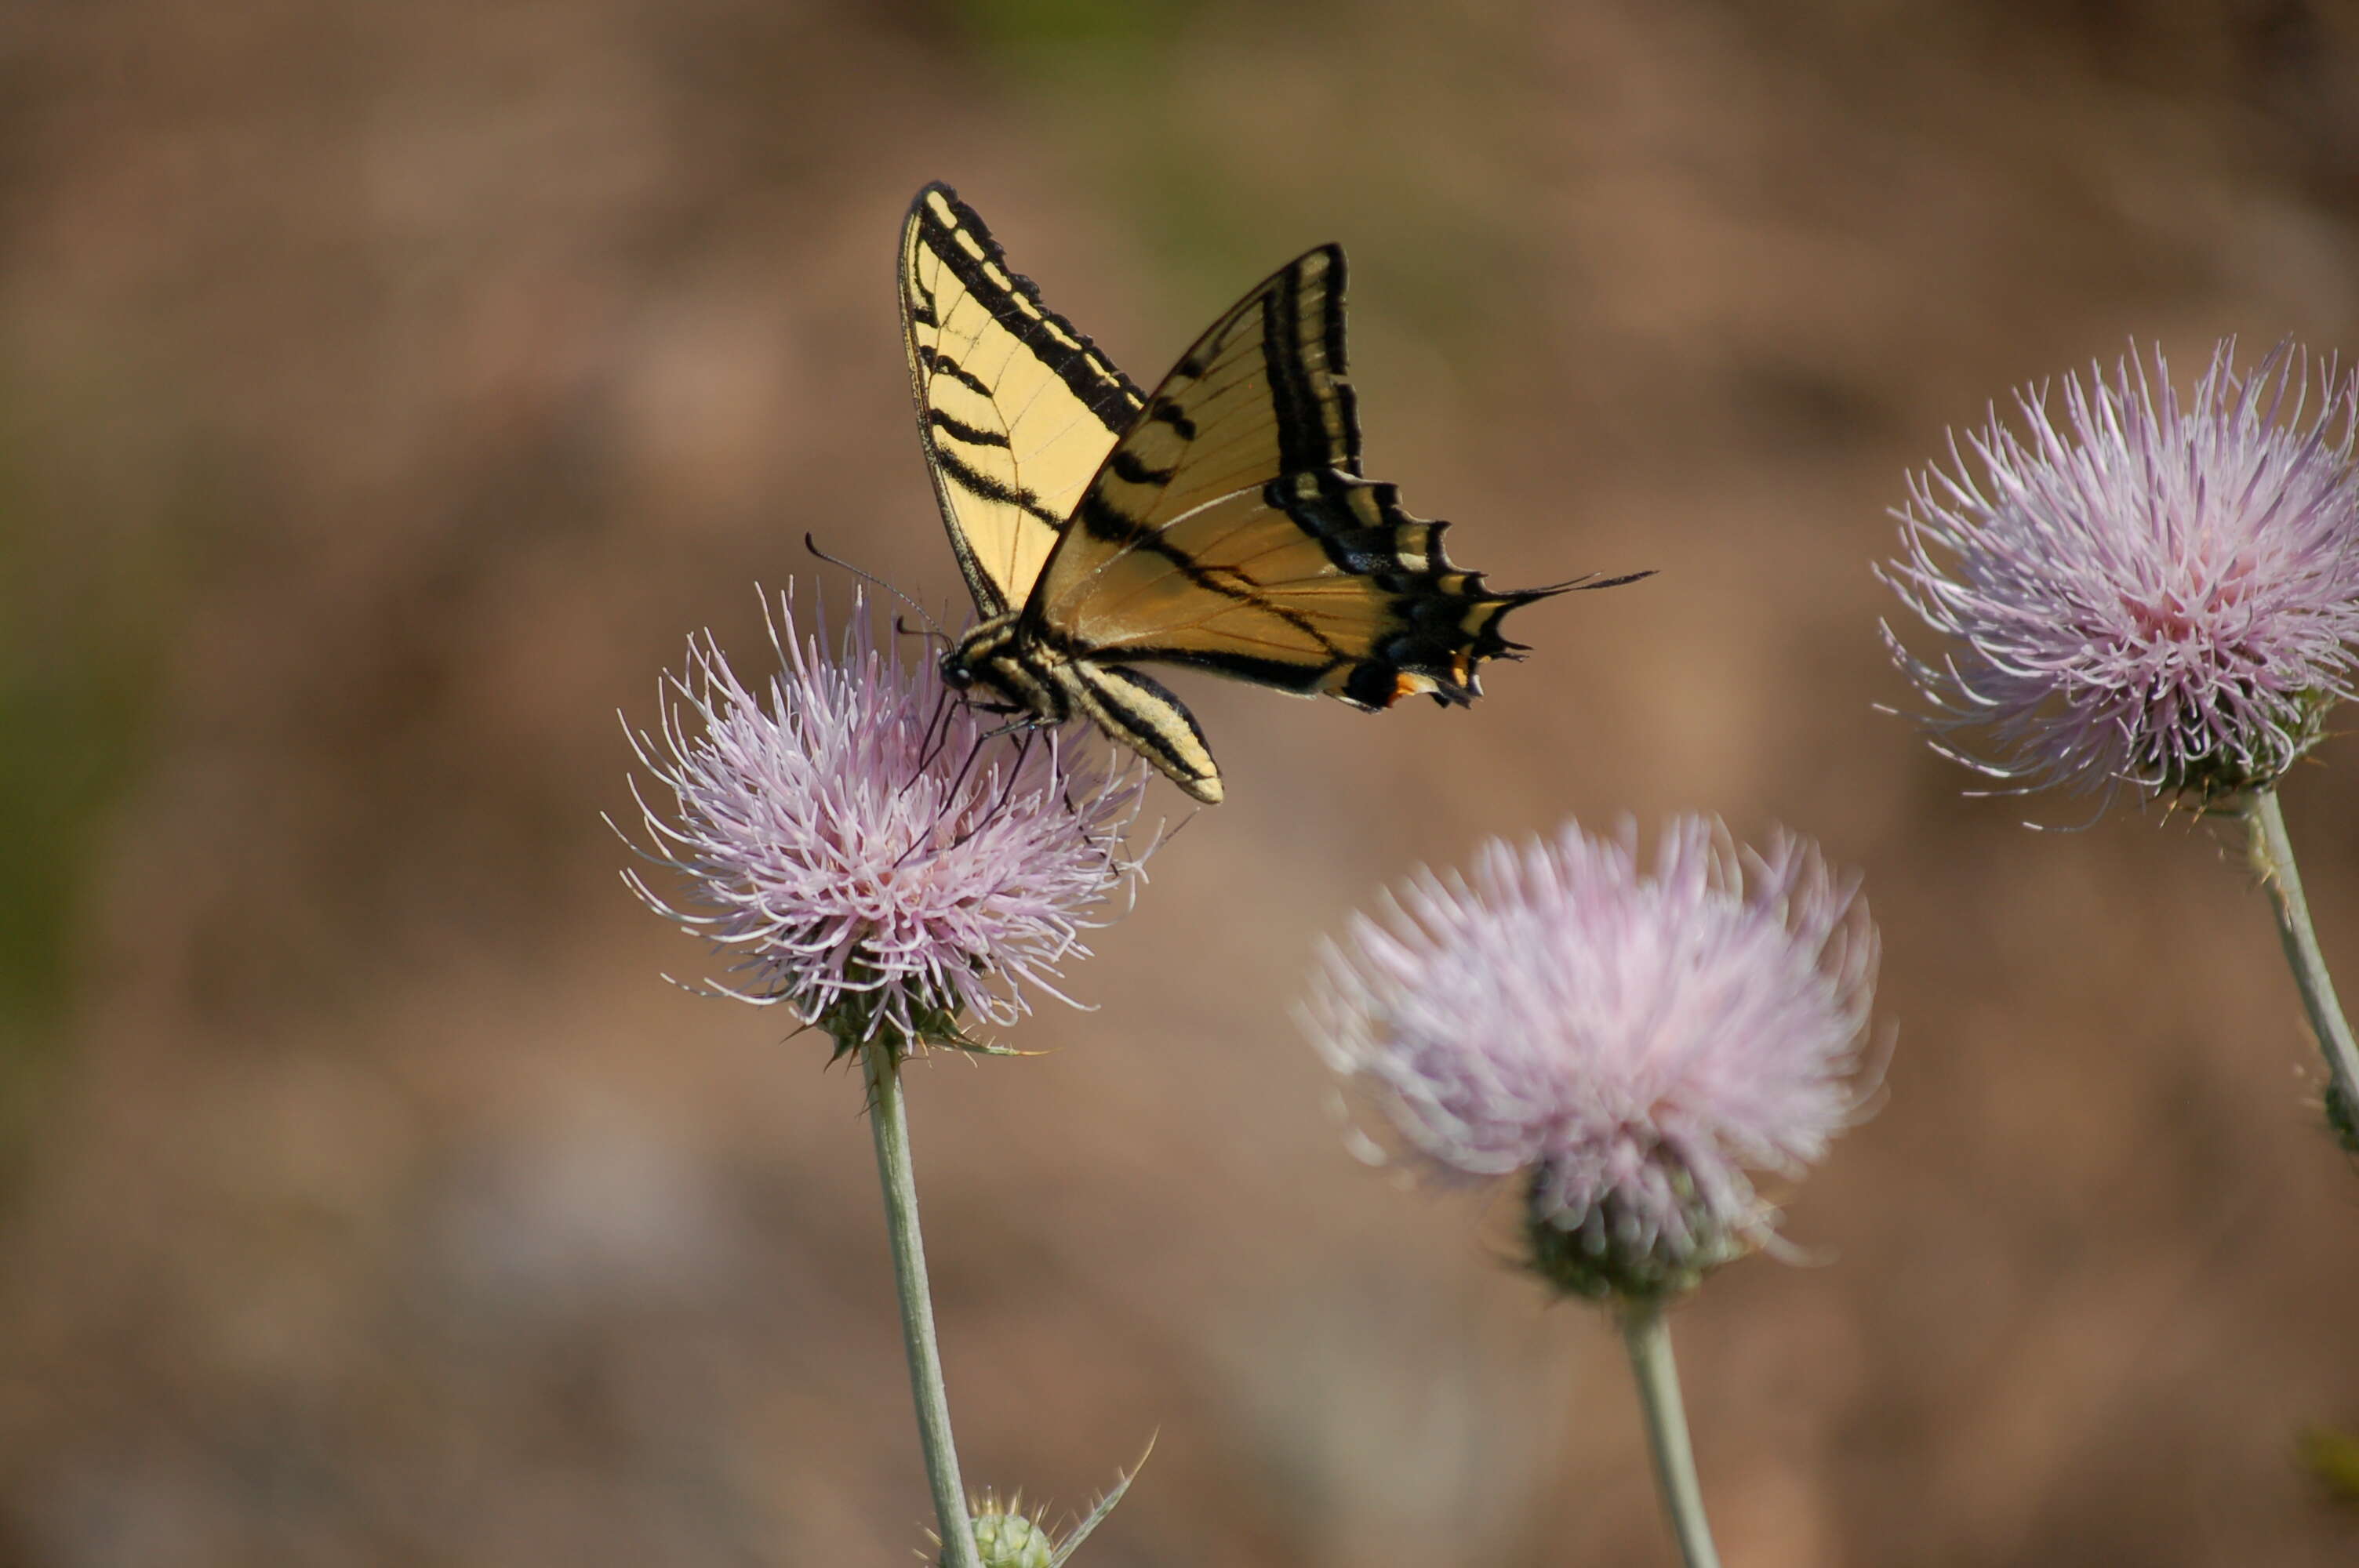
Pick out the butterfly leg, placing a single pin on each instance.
(938, 735)
(951, 796)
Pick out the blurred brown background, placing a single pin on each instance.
(386, 391)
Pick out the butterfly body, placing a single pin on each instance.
(1220, 522)
(1030, 675)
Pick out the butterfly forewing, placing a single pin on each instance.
(1018, 410)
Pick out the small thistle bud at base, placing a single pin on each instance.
(2219, 781)
(2342, 1118)
(1613, 1252)
(1005, 1538)
(910, 1024)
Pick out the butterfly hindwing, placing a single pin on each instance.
(1229, 527)
(1016, 409)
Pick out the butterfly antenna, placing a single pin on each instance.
(906, 629)
(810, 543)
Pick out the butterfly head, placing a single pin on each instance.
(973, 656)
(992, 665)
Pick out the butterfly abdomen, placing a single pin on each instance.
(1139, 713)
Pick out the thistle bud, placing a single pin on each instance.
(1006, 1539)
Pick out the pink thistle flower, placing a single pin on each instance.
(1633, 1043)
(873, 857)
(2156, 595)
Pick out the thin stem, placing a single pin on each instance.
(1649, 1340)
(889, 1118)
(2272, 852)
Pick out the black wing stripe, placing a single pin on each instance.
(1285, 675)
(958, 429)
(1130, 468)
(1104, 520)
(1014, 301)
(940, 364)
(984, 487)
(1346, 400)
(1290, 396)
(1305, 442)
(1170, 413)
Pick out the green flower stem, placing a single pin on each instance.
(1649, 1340)
(889, 1118)
(2272, 852)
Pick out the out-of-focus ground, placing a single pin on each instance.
(387, 393)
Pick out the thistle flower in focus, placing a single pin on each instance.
(1629, 1044)
(2150, 593)
(873, 861)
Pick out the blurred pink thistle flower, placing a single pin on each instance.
(2156, 594)
(873, 860)
(1635, 1043)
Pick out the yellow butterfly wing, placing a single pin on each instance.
(1230, 528)
(1016, 409)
